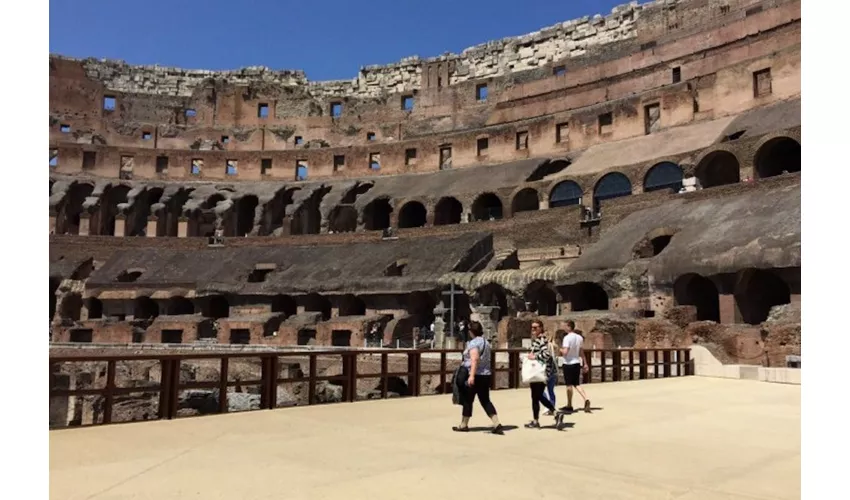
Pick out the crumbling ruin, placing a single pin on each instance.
(638, 173)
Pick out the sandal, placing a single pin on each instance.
(460, 429)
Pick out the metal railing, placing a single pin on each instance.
(604, 365)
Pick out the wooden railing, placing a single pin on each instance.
(68, 405)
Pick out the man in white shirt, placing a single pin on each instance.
(573, 365)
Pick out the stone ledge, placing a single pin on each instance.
(746, 372)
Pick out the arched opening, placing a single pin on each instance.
(145, 308)
(316, 303)
(461, 305)
(420, 306)
(447, 211)
(613, 185)
(177, 306)
(718, 168)
(216, 307)
(350, 305)
(546, 169)
(284, 304)
(246, 208)
(71, 307)
(759, 290)
(343, 219)
(54, 285)
(69, 222)
(205, 217)
(564, 194)
(526, 200)
(128, 275)
(493, 295)
(137, 218)
(307, 219)
(169, 219)
(487, 206)
(778, 156)
(653, 244)
(542, 298)
(376, 215)
(275, 211)
(665, 175)
(95, 308)
(586, 296)
(112, 197)
(698, 291)
(412, 214)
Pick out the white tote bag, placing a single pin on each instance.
(533, 371)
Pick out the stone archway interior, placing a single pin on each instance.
(759, 291)
(448, 211)
(564, 194)
(526, 200)
(412, 214)
(488, 206)
(665, 175)
(586, 296)
(718, 169)
(698, 291)
(376, 215)
(778, 156)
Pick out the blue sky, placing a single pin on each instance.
(328, 40)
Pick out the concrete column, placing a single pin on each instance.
(729, 312)
(120, 225)
(182, 227)
(439, 327)
(150, 230)
(85, 224)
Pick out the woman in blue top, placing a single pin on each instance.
(476, 360)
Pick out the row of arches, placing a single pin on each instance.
(247, 217)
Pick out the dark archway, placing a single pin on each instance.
(69, 222)
(495, 296)
(246, 208)
(169, 218)
(216, 307)
(284, 304)
(307, 218)
(145, 308)
(527, 200)
(758, 291)
(54, 285)
(778, 156)
(137, 218)
(72, 305)
(316, 303)
(665, 175)
(177, 306)
(586, 296)
(112, 197)
(95, 308)
(412, 214)
(350, 305)
(448, 211)
(376, 215)
(275, 211)
(343, 219)
(542, 298)
(613, 185)
(564, 194)
(698, 291)
(420, 305)
(487, 206)
(718, 168)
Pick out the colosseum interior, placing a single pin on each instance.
(637, 172)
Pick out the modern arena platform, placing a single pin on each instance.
(681, 438)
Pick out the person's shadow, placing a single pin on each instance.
(505, 428)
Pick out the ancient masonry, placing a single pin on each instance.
(496, 58)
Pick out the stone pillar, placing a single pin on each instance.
(486, 316)
(465, 217)
(52, 222)
(150, 229)
(729, 312)
(439, 327)
(182, 227)
(85, 224)
(120, 225)
(544, 204)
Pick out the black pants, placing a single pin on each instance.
(482, 390)
(537, 397)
